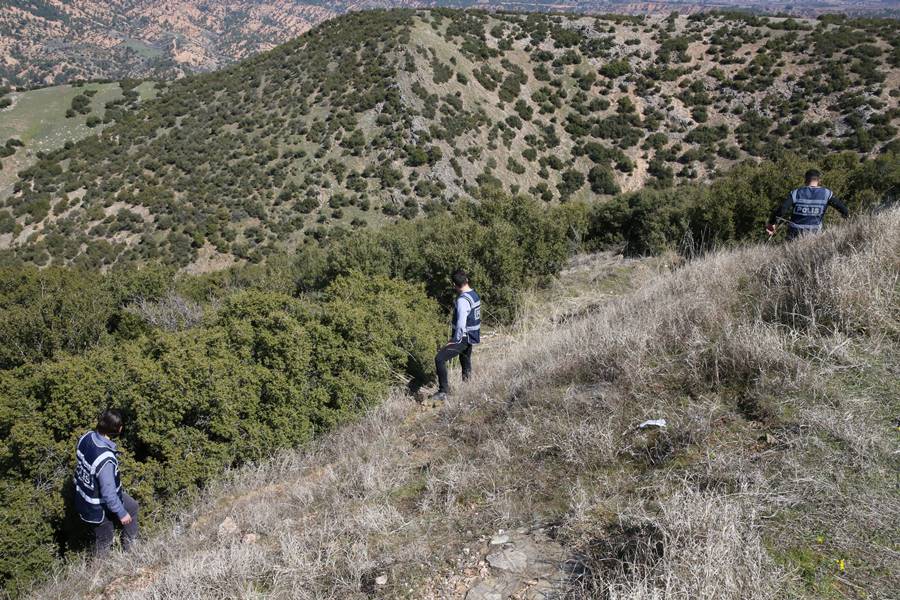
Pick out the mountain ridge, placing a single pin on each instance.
(386, 115)
(44, 42)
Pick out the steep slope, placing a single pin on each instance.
(382, 115)
(775, 368)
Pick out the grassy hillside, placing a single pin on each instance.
(44, 120)
(775, 367)
(383, 116)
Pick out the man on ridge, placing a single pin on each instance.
(466, 333)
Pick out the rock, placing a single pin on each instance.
(381, 580)
(485, 591)
(499, 540)
(508, 560)
(250, 538)
(543, 590)
(228, 528)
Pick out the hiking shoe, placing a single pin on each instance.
(439, 396)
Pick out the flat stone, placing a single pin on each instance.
(499, 540)
(545, 590)
(381, 580)
(484, 591)
(494, 589)
(510, 560)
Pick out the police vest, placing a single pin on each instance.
(90, 458)
(809, 204)
(473, 321)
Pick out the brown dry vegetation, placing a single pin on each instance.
(775, 366)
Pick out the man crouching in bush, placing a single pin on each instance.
(99, 497)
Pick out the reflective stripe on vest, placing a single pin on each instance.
(808, 207)
(90, 457)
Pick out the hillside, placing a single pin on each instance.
(43, 120)
(45, 42)
(775, 367)
(381, 116)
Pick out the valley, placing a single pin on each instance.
(242, 232)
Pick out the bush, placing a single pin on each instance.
(506, 244)
(602, 180)
(44, 312)
(615, 68)
(733, 208)
(269, 371)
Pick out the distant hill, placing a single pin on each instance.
(44, 42)
(384, 115)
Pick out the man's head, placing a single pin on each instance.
(460, 279)
(813, 177)
(110, 422)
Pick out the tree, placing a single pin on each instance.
(602, 180)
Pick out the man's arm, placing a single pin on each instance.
(107, 480)
(839, 206)
(462, 315)
(782, 209)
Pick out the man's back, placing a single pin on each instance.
(804, 208)
(808, 206)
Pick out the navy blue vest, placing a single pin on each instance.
(90, 458)
(473, 321)
(808, 211)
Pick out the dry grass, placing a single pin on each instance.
(170, 313)
(775, 366)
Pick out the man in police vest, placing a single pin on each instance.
(99, 497)
(806, 206)
(466, 333)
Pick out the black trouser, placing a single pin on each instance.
(461, 349)
(105, 530)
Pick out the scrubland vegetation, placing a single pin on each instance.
(775, 367)
(217, 370)
(260, 255)
(392, 115)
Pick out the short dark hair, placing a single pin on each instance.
(110, 422)
(460, 278)
(812, 175)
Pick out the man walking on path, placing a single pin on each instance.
(99, 497)
(806, 206)
(466, 333)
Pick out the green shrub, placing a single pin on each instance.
(506, 243)
(268, 371)
(602, 180)
(44, 312)
(734, 207)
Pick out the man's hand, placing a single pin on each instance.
(126, 520)
(770, 229)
